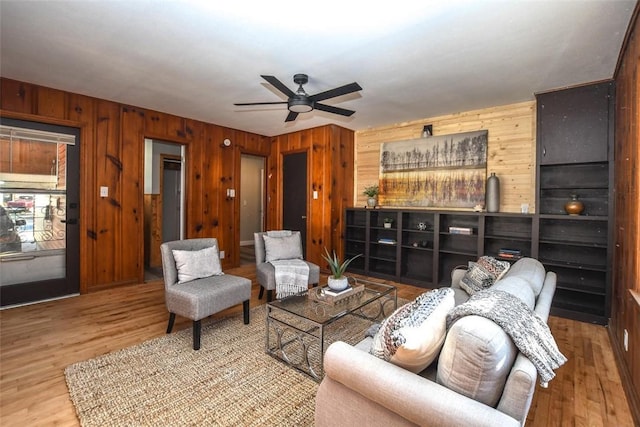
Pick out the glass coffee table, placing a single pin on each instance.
(297, 326)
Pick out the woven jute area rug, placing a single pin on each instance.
(230, 381)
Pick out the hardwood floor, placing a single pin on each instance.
(38, 341)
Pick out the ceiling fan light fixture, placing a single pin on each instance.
(300, 105)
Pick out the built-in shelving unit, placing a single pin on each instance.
(575, 142)
(574, 156)
(423, 246)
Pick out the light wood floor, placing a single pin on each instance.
(37, 342)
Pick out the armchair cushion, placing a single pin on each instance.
(284, 247)
(198, 264)
(412, 336)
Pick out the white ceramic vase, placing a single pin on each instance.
(337, 284)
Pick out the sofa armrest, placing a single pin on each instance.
(543, 302)
(402, 392)
(457, 274)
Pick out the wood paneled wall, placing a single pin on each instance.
(511, 153)
(330, 173)
(626, 263)
(111, 154)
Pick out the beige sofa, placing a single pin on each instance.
(479, 378)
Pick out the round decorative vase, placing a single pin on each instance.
(337, 284)
(574, 206)
(492, 196)
(371, 202)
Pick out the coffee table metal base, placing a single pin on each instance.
(299, 341)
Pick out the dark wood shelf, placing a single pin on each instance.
(429, 266)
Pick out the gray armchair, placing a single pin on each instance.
(198, 298)
(265, 272)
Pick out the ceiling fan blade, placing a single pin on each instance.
(291, 116)
(260, 103)
(332, 93)
(279, 85)
(332, 109)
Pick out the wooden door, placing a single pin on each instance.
(294, 194)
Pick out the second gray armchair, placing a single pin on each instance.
(265, 272)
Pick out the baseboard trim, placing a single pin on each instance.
(633, 400)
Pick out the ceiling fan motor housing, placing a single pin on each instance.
(300, 104)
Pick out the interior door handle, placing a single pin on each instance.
(71, 221)
(304, 217)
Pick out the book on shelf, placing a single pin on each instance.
(509, 253)
(387, 241)
(461, 230)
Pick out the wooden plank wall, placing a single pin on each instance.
(330, 173)
(625, 310)
(111, 154)
(511, 153)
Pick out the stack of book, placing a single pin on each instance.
(461, 230)
(509, 253)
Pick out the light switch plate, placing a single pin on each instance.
(104, 191)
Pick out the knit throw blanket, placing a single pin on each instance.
(529, 332)
(292, 277)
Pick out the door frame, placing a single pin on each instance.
(184, 150)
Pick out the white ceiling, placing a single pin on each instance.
(414, 59)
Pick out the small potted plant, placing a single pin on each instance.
(387, 222)
(372, 193)
(337, 281)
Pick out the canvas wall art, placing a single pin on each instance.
(444, 171)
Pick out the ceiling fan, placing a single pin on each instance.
(301, 102)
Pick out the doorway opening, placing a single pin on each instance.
(252, 206)
(164, 215)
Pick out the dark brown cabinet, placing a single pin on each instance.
(575, 142)
(573, 123)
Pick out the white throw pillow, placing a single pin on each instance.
(412, 336)
(285, 247)
(194, 265)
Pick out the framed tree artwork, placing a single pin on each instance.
(444, 171)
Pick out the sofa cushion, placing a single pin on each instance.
(192, 265)
(283, 247)
(476, 359)
(412, 336)
(531, 270)
(483, 274)
(517, 287)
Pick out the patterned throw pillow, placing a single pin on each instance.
(483, 274)
(411, 337)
